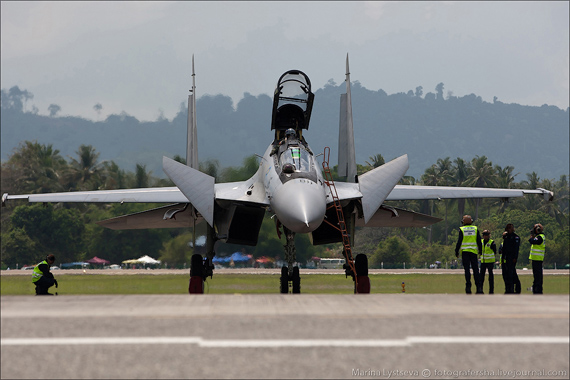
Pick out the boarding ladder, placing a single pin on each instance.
(341, 222)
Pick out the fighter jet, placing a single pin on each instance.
(292, 184)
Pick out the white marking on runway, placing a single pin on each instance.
(281, 343)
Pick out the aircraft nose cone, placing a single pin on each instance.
(300, 205)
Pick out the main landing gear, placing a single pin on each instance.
(200, 267)
(362, 279)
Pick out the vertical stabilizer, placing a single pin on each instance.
(346, 154)
(192, 137)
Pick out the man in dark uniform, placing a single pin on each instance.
(469, 244)
(502, 261)
(511, 244)
(42, 277)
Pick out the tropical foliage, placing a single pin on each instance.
(29, 232)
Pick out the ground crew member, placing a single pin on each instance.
(469, 243)
(511, 244)
(488, 259)
(42, 277)
(537, 249)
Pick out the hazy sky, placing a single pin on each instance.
(136, 56)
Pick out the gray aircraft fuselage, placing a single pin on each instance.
(294, 186)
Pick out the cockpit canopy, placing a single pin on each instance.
(295, 161)
(292, 102)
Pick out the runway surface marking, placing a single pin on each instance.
(280, 343)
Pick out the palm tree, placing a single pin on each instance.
(460, 173)
(531, 202)
(505, 180)
(85, 172)
(34, 168)
(376, 161)
(115, 177)
(142, 177)
(431, 177)
(481, 174)
(553, 208)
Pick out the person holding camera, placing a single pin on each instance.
(537, 250)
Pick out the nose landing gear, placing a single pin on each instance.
(294, 280)
(290, 273)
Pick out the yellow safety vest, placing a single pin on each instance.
(37, 273)
(488, 254)
(469, 242)
(537, 250)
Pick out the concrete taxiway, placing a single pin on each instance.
(285, 336)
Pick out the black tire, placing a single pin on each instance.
(197, 265)
(361, 264)
(284, 281)
(296, 281)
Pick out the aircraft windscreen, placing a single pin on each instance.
(299, 158)
(293, 90)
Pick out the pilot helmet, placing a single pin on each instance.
(290, 133)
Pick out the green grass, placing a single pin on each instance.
(267, 283)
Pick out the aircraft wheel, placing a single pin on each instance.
(196, 285)
(197, 265)
(361, 264)
(284, 288)
(296, 280)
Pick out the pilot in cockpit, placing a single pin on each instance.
(291, 138)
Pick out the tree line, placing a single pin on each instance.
(67, 230)
(426, 125)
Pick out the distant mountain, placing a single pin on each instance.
(425, 127)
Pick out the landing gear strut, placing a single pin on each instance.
(200, 268)
(290, 273)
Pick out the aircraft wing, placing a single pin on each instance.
(148, 195)
(387, 216)
(171, 216)
(410, 192)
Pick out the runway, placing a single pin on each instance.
(285, 336)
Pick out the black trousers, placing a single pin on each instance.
(43, 284)
(470, 262)
(537, 274)
(512, 282)
(489, 267)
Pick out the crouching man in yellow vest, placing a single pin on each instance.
(469, 244)
(488, 260)
(42, 278)
(537, 249)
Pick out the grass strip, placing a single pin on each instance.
(269, 283)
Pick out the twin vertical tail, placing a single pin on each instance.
(192, 137)
(346, 154)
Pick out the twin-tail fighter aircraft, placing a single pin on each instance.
(289, 184)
